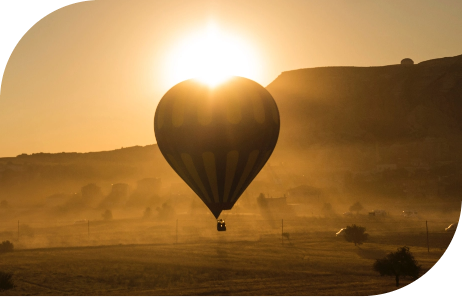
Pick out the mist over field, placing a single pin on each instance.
(372, 136)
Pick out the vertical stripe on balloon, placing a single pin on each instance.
(188, 162)
(265, 156)
(204, 113)
(231, 164)
(248, 167)
(233, 108)
(178, 111)
(179, 170)
(210, 169)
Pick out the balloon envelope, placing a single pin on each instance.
(218, 138)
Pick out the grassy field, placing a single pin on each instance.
(245, 260)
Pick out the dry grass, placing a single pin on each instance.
(310, 263)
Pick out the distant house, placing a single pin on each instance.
(275, 206)
(303, 194)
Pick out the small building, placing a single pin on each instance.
(276, 205)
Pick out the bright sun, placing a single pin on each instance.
(211, 56)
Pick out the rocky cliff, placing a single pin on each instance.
(385, 104)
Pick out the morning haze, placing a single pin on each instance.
(92, 207)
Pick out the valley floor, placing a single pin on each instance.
(310, 263)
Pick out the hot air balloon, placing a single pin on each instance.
(218, 138)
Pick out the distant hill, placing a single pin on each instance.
(43, 174)
(345, 105)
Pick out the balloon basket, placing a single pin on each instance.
(221, 226)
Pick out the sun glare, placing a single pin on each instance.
(211, 57)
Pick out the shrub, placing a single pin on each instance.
(147, 213)
(6, 282)
(166, 211)
(107, 215)
(327, 210)
(356, 207)
(356, 234)
(261, 201)
(6, 247)
(327, 207)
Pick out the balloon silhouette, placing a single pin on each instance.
(217, 139)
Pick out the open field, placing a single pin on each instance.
(249, 259)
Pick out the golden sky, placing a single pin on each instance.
(88, 77)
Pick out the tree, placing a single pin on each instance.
(261, 201)
(6, 247)
(107, 215)
(356, 207)
(327, 207)
(356, 234)
(327, 210)
(6, 282)
(91, 195)
(147, 213)
(166, 211)
(399, 263)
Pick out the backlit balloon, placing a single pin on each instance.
(218, 138)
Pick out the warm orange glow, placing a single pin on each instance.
(211, 57)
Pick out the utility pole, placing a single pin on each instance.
(177, 231)
(282, 231)
(18, 230)
(88, 228)
(428, 245)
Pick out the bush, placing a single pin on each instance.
(107, 215)
(147, 213)
(6, 282)
(166, 211)
(327, 210)
(356, 207)
(327, 207)
(6, 247)
(356, 234)
(261, 201)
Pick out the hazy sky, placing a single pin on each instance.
(88, 77)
